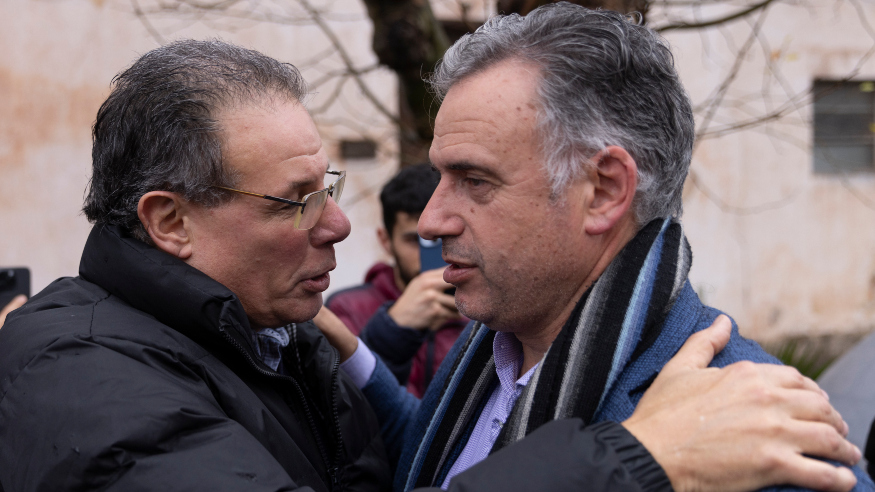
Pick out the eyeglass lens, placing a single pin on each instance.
(316, 203)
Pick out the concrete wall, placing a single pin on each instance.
(57, 61)
(783, 250)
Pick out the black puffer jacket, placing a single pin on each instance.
(139, 375)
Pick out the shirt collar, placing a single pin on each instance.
(508, 353)
(269, 343)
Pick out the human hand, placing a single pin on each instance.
(336, 332)
(424, 305)
(14, 304)
(742, 427)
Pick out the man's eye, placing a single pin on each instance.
(474, 182)
(287, 209)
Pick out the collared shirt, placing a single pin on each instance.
(269, 343)
(508, 352)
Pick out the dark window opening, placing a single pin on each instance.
(844, 126)
(358, 149)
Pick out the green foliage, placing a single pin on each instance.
(808, 358)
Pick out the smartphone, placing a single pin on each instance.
(13, 281)
(430, 257)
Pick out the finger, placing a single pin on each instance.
(821, 440)
(448, 302)
(815, 474)
(698, 351)
(438, 280)
(812, 407)
(14, 304)
(440, 318)
(785, 377)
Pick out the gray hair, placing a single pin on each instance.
(158, 129)
(606, 80)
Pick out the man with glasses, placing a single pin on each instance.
(182, 358)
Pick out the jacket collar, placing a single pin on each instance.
(178, 295)
(382, 277)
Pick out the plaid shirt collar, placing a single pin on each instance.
(269, 343)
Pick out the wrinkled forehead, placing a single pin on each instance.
(490, 120)
(272, 144)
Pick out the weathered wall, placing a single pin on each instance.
(786, 252)
(783, 250)
(57, 60)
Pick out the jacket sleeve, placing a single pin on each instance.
(394, 406)
(565, 455)
(395, 344)
(84, 416)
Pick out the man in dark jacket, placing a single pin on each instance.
(402, 314)
(181, 357)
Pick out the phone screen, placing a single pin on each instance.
(430, 255)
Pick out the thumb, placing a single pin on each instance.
(700, 349)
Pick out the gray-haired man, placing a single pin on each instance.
(563, 142)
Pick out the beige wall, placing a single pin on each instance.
(57, 60)
(783, 250)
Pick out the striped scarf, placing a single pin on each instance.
(615, 321)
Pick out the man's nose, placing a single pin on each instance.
(333, 226)
(439, 219)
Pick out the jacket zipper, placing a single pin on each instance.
(338, 452)
(331, 467)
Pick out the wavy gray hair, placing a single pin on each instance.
(606, 80)
(158, 129)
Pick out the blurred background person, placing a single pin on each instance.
(404, 315)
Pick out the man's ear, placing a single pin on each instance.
(614, 177)
(163, 217)
(385, 240)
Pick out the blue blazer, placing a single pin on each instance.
(404, 419)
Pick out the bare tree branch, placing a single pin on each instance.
(713, 22)
(145, 21)
(341, 51)
(713, 101)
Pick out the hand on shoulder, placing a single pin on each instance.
(742, 427)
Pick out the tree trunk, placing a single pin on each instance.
(409, 40)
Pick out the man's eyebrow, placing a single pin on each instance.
(295, 185)
(465, 166)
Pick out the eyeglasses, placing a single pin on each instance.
(310, 207)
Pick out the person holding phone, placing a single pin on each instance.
(405, 311)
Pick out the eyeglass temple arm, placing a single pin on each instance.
(266, 197)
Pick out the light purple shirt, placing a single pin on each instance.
(508, 352)
(360, 365)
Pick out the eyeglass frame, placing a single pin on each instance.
(303, 203)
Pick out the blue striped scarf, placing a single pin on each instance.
(615, 321)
